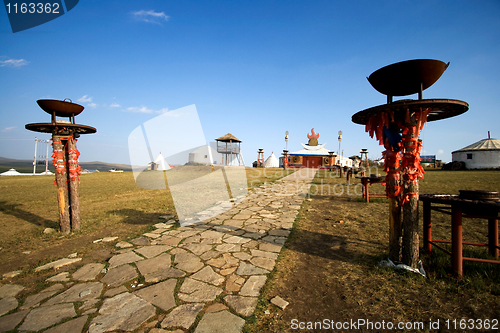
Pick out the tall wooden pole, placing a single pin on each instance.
(410, 228)
(74, 183)
(410, 194)
(59, 162)
(392, 160)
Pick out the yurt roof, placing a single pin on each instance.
(10, 172)
(486, 144)
(228, 137)
(159, 158)
(163, 165)
(272, 162)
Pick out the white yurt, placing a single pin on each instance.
(10, 172)
(161, 163)
(484, 154)
(272, 162)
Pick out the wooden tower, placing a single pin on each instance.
(260, 158)
(230, 148)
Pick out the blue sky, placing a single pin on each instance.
(252, 68)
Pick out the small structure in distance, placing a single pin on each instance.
(272, 161)
(230, 148)
(11, 172)
(315, 155)
(484, 154)
(205, 155)
(159, 164)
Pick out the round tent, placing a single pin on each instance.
(272, 162)
(10, 172)
(162, 163)
(484, 154)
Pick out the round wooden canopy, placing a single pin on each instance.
(407, 77)
(61, 108)
(440, 109)
(60, 128)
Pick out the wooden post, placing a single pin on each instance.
(410, 227)
(493, 236)
(456, 240)
(285, 159)
(231, 149)
(74, 184)
(61, 182)
(427, 227)
(366, 193)
(393, 193)
(410, 198)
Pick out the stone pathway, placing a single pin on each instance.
(166, 279)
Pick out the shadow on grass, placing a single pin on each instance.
(134, 216)
(329, 246)
(14, 210)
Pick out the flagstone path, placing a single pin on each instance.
(166, 279)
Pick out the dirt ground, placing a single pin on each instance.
(329, 271)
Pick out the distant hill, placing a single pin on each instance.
(25, 166)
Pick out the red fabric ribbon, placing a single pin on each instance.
(392, 182)
(74, 170)
(407, 160)
(407, 196)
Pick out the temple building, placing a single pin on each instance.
(314, 155)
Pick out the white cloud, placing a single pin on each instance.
(150, 16)
(144, 109)
(85, 99)
(114, 105)
(13, 63)
(88, 100)
(7, 129)
(141, 109)
(440, 151)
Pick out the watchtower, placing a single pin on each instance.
(260, 158)
(230, 148)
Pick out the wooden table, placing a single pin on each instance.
(459, 208)
(367, 182)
